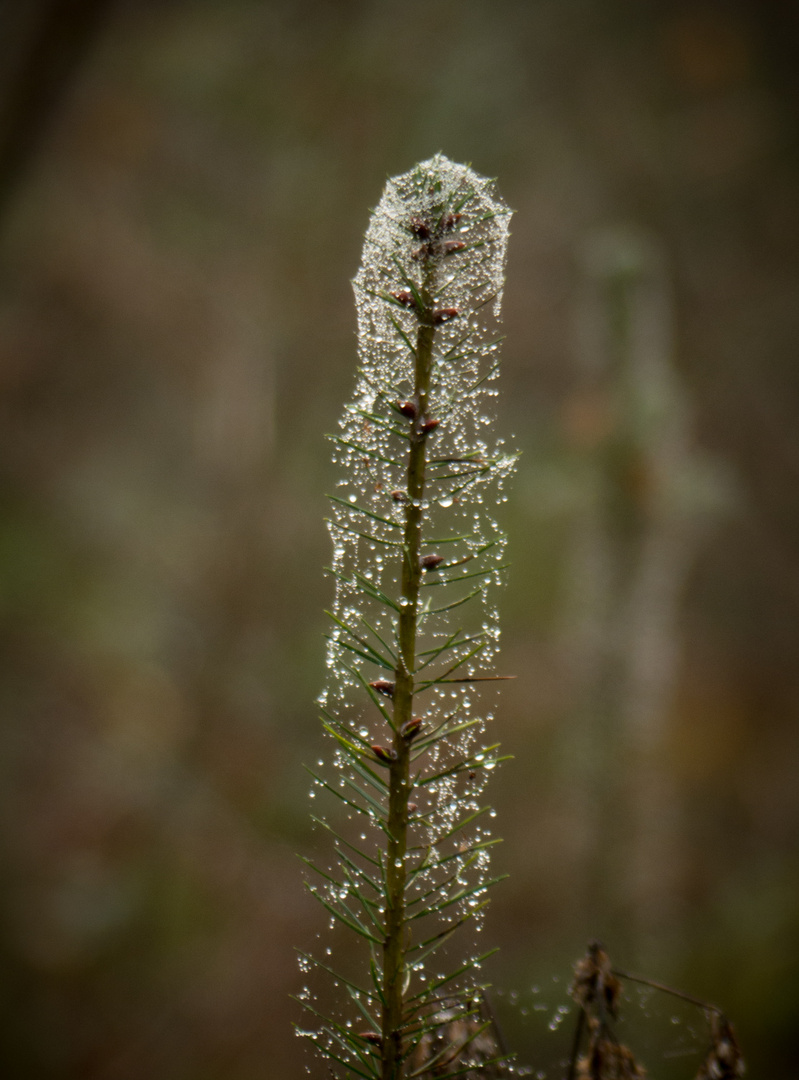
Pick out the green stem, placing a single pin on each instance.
(394, 948)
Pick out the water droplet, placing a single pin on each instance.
(560, 1014)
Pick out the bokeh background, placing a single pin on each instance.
(184, 186)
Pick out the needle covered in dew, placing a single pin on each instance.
(414, 632)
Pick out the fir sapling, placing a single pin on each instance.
(416, 558)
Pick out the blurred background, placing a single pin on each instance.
(184, 186)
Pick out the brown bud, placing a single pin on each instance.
(383, 686)
(724, 1059)
(410, 729)
(443, 315)
(419, 228)
(453, 246)
(421, 252)
(431, 562)
(371, 1037)
(450, 221)
(594, 980)
(398, 496)
(384, 754)
(407, 408)
(412, 807)
(607, 1057)
(405, 298)
(430, 424)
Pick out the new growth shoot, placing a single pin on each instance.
(417, 555)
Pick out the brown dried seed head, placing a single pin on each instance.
(431, 562)
(383, 686)
(594, 980)
(442, 315)
(608, 1060)
(724, 1059)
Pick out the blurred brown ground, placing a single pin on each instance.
(183, 191)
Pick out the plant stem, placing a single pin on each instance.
(706, 1005)
(399, 782)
